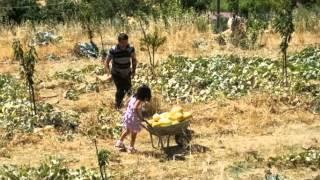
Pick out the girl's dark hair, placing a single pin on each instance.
(123, 36)
(143, 93)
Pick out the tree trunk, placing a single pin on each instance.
(238, 7)
(153, 61)
(101, 37)
(33, 100)
(218, 16)
(30, 98)
(285, 68)
(148, 46)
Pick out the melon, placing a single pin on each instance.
(156, 117)
(177, 109)
(151, 121)
(164, 115)
(187, 115)
(177, 116)
(155, 124)
(164, 122)
(175, 122)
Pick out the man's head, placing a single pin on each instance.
(123, 40)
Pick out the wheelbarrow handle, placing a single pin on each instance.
(146, 123)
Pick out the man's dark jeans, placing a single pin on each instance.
(123, 86)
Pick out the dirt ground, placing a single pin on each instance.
(226, 132)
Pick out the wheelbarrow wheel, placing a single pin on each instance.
(183, 139)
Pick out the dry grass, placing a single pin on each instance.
(228, 129)
(180, 40)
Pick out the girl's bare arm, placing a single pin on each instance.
(138, 107)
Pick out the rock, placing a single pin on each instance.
(4, 153)
(104, 78)
(37, 130)
(49, 85)
(48, 128)
(295, 102)
(87, 49)
(44, 38)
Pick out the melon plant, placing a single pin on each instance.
(203, 79)
(53, 168)
(14, 110)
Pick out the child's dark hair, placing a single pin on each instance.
(143, 93)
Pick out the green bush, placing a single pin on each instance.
(223, 24)
(307, 19)
(51, 169)
(202, 24)
(203, 79)
(15, 113)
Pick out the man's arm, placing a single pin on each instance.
(107, 66)
(107, 59)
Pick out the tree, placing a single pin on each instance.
(283, 24)
(18, 11)
(198, 5)
(258, 14)
(59, 11)
(218, 15)
(151, 42)
(234, 6)
(27, 62)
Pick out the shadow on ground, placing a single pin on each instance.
(176, 152)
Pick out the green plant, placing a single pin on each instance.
(306, 19)
(306, 158)
(255, 28)
(152, 42)
(107, 124)
(202, 79)
(27, 62)
(70, 75)
(238, 36)
(283, 24)
(72, 94)
(20, 15)
(202, 24)
(14, 111)
(103, 160)
(76, 90)
(53, 168)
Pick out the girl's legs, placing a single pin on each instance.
(133, 139)
(124, 134)
(131, 149)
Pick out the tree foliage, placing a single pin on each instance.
(27, 62)
(18, 11)
(62, 11)
(151, 42)
(283, 24)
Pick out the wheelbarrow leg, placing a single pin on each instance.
(168, 141)
(151, 137)
(161, 143)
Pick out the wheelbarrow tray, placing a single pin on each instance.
(169, 130)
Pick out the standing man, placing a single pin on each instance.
(124, 62)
